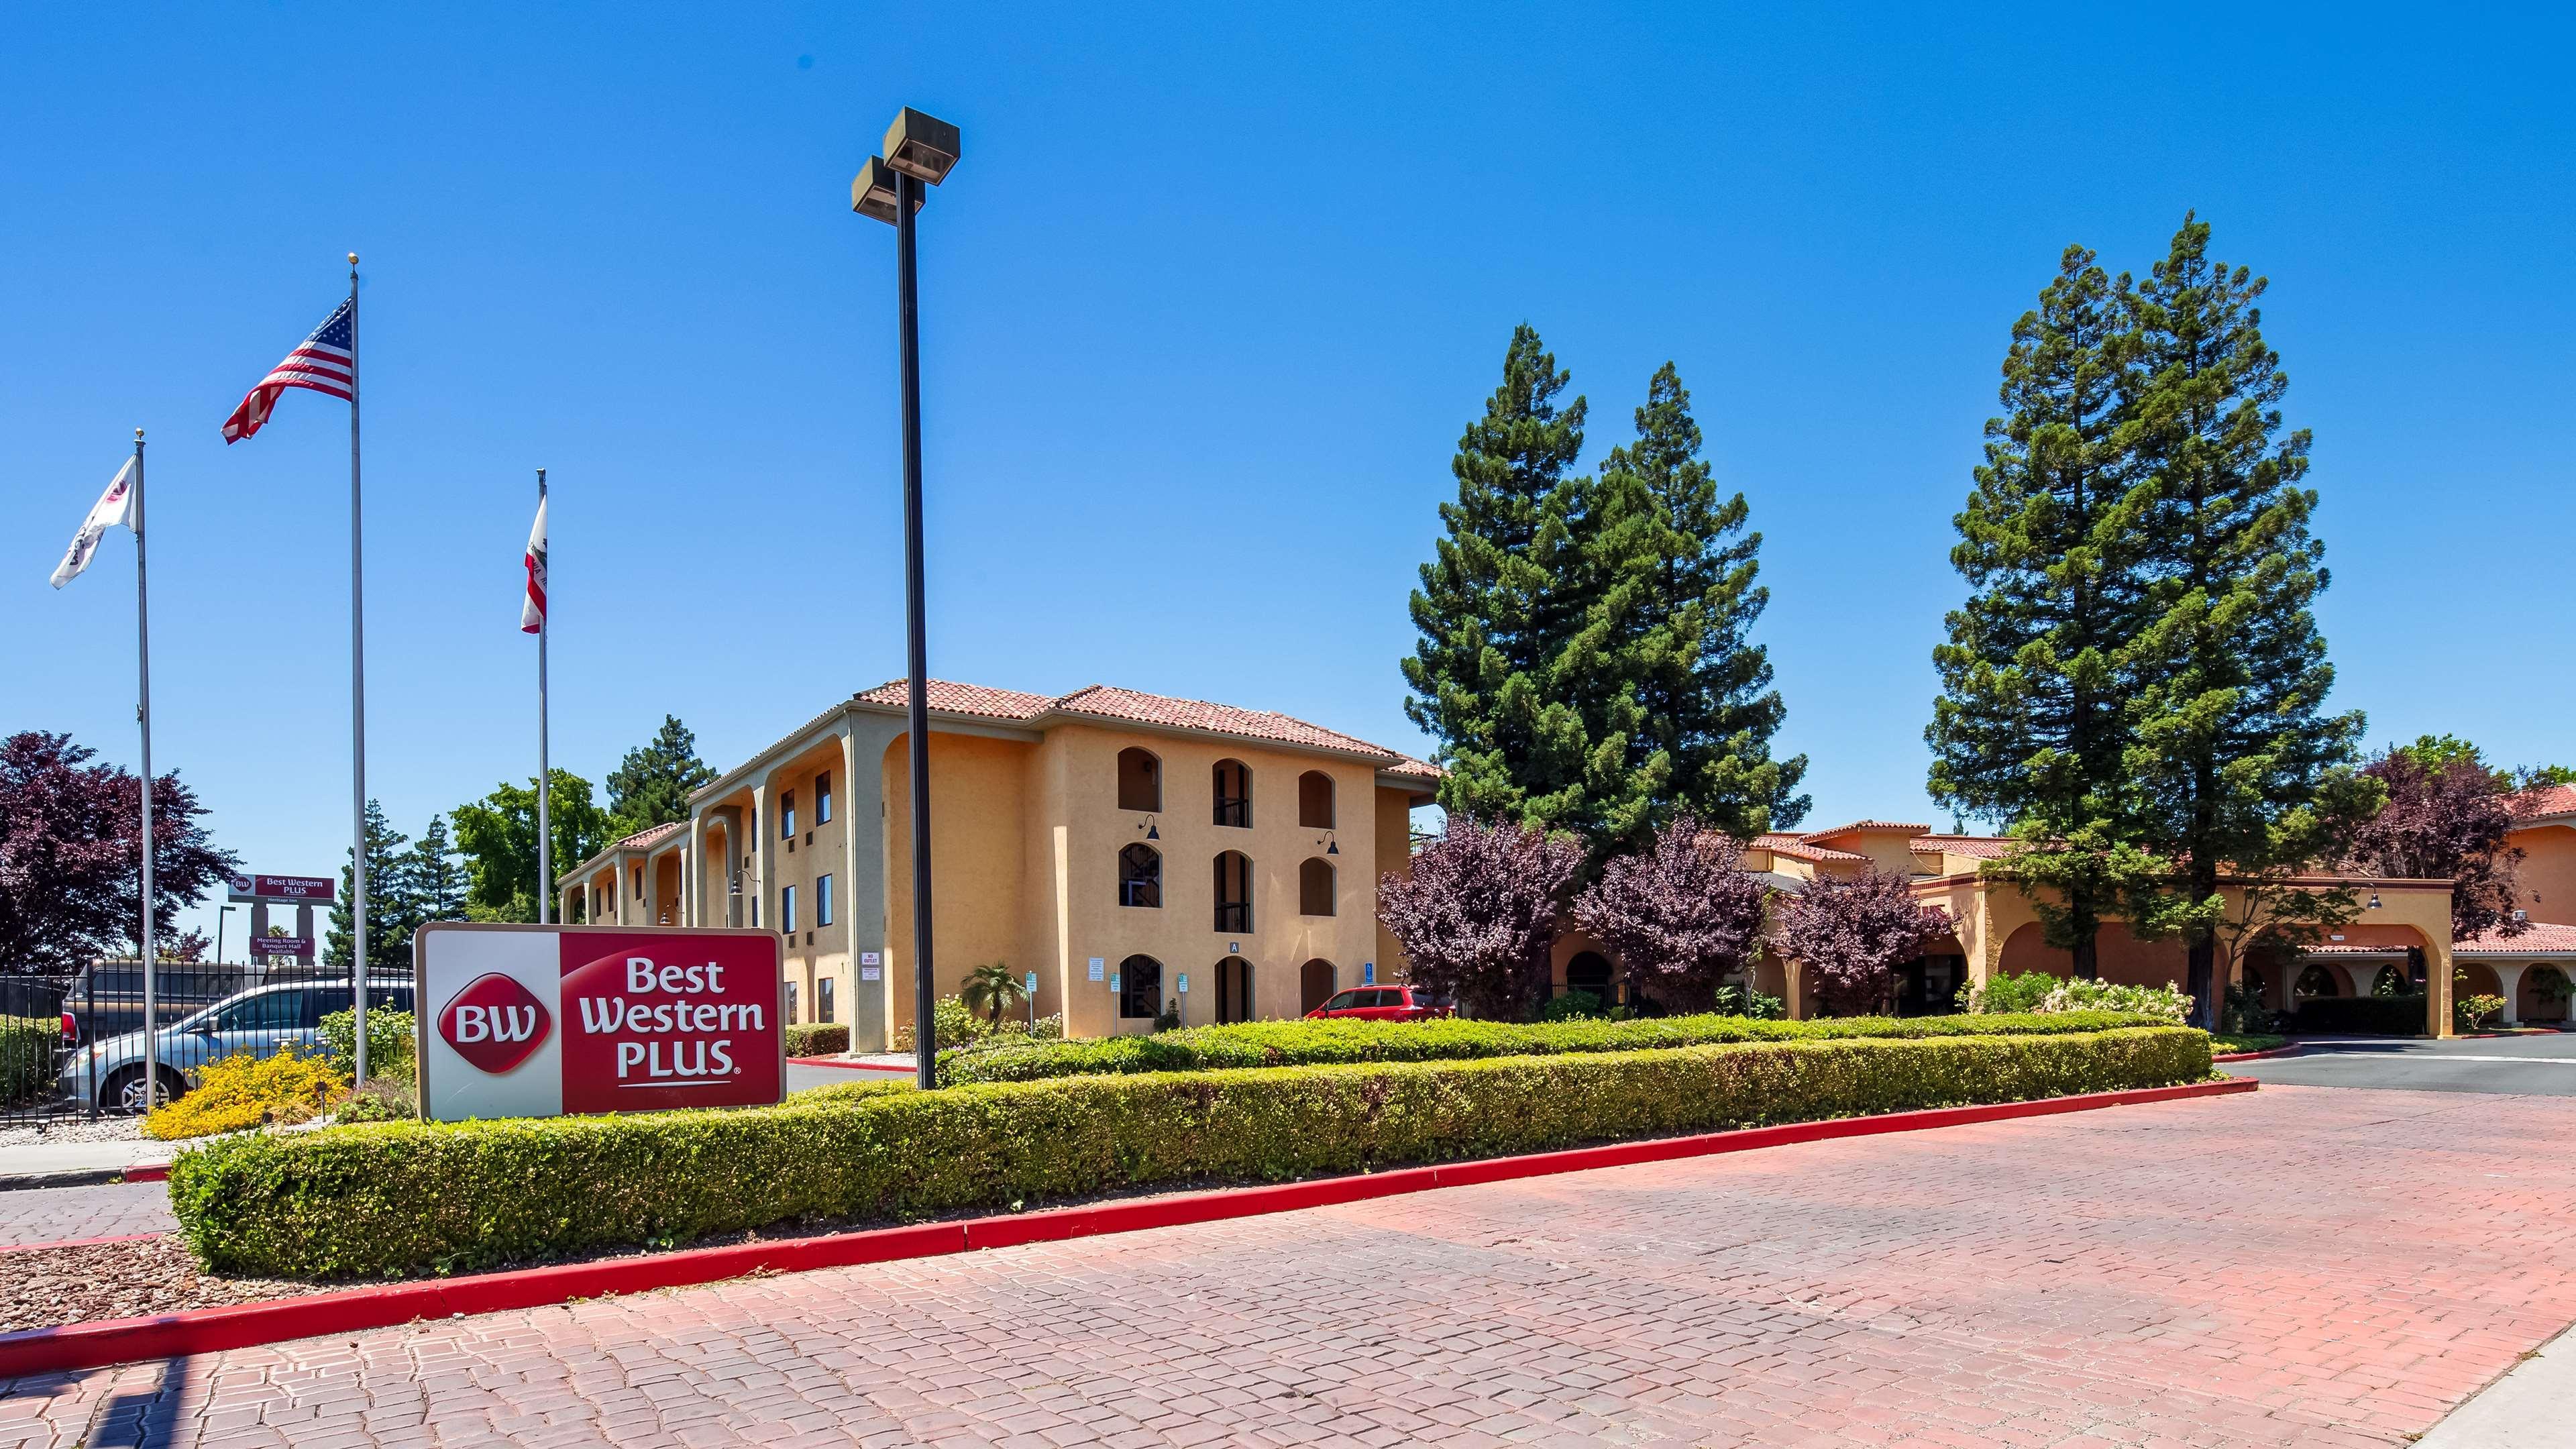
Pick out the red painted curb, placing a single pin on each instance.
(156, 1172)
(210, 1330)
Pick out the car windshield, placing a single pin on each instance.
(1342, 1001)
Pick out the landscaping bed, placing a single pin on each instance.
(402, 1199)
(122, 1278)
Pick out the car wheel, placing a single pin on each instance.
(123, 1092)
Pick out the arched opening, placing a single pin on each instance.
(2314, 981)
(2389, 980)
(1233, 779)
(2544, 993)
(1233, 891)
(1140, 988)
(1589, 971)
(2027, 950)
(1315, 982)
(1233, 990)
(1140, 780)
(1315, 800)
(1315, 887)
(1140, 876)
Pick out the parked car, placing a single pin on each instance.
(1382, 1003)
(108, 1073)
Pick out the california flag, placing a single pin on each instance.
(532, 612)
(116, 506)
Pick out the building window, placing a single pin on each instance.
(1140, 780)
(823, 804)
(791, 1003)
(823, 1000)
(1140, 876)
(1315, 887)
(787, 816)
(639, 881)
(787, 909)
(823, 904)
(1233, 891)
(1315, 800)
(1140, 988)
(1233, 794)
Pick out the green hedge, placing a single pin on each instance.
(817, 1039)
(29, 1047)
(1312, 1043)
(397, 1198)
(2359, 1016)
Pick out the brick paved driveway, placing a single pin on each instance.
(2301, 1266)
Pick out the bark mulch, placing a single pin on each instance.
(135, 1278)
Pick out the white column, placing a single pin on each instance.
(2509, 975)
(758, 909)
(693, 877)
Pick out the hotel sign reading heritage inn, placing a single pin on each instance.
(538, 1021)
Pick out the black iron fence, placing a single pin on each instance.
(75, 1045)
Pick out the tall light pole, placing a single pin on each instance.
(919, 150)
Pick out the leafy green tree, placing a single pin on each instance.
(393, 900)
(498, 838)
(1495, 612)
(2029, 730)
(2541, 777)
(2235, 761)
(437, 876)
(1666, 663)
(651, 787)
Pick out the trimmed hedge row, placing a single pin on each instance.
(2359, 1016)
(1312, 1043)
(817, 1039)
(400, 1198)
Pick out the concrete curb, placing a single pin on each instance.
(847, 1066)
(2293, 1049)
(85, 1177)
(211, 1330)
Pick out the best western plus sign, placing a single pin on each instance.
(536, 1021)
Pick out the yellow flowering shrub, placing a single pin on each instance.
(243, 1090)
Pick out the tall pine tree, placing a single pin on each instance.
(437, 876)
(1499, 604)
(2232, 752)
(651, 786)
(2029, 730)
(393, 903)
(1672, 575)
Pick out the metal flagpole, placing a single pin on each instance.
(545, 783)
(357, 705)
(143, 715)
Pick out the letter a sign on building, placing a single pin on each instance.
(537, 1021)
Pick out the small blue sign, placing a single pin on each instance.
(1185, 983)
(1368, 973)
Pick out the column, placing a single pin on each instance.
(693, 877)
(2509, 979)
(2437, 990)
(758, 908)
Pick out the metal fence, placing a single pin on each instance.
(74, 1045)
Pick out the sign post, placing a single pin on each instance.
(540, 1021)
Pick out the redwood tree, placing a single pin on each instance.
(1681, 916)
(71, 856)
(1478, 912)
(2446, 819)
(1851, 935)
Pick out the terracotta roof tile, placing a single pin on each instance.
(953, 698)
(2537, 936)
(1796, 848)
(1107, 702)
(650, 836)
(1416, 769)
(1979, 847)
(1858, 826)
(2547, 800)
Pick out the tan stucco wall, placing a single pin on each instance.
(2546, 879)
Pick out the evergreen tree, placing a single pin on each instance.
(2029, 730)
(1675, 675)
(498, 837)
(393, 901)
(2233, 755)
(651, 787)
(437, 877)
(1499, 605)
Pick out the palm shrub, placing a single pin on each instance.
(988, 991)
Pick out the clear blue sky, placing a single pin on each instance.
(1206, 306)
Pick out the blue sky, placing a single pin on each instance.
(1206, 306)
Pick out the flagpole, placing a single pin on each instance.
(143, 715)
(545, 782)
(357, 706)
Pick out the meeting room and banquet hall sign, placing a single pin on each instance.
(540, 1021)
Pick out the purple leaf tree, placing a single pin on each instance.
(2446, 819)
(1681, 916)
(1851, 935)
(1478, 912)
(71, 856)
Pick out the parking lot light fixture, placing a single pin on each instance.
(920, 146)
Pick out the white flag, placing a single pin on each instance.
(532, 611)
(115, 506)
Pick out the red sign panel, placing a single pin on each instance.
(283, 887)
(298, 946)
(654, 1020)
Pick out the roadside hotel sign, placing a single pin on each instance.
(281, 887)
(538, 1021)
(281, 946)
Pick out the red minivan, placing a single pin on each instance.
(1382, 1003)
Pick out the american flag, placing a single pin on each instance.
(324, 362)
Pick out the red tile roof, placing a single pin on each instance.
(1796, 848)
(650, 836)
(1979, 847)
(1858, 826)
(2545, 801)
(1129, 706)
(2537, 937)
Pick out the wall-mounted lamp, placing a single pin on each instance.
(2374, 900)
(1150, 832)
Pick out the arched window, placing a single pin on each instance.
(1315, 800)
(1315, 887)
(1140, 876)
(1233, 794)
(1140, 780)
(1315, 981)
(2315, 981)
(1233, 989)
(1589, 971)
(1140, 988)
(1233, 891)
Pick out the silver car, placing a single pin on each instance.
(108, 1074)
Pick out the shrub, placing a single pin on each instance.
(2359, 1016)
(380, 1100)
(2166, 1003)
(1304, 1043)
(2012, 991)
(817, 1039)
(1747, 1002)
(28, 1048)
(411, 1197)
(959, 1027)
(1581, 1006)
(2472, 1013)
(389, 1042)
(243, 1090)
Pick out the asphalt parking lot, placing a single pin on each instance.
(2538, 1066)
